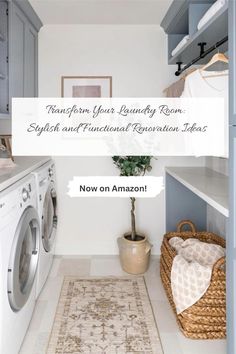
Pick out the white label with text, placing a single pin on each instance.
(109, 186)
(119, 126)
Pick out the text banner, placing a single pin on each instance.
(119, 126)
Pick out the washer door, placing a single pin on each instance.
(24, 259)
(49, 218)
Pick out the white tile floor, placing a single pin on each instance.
(172, 340)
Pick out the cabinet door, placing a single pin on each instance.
(30, 62)
(22, 55)
(4, 90)
(16, 52)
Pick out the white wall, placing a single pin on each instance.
(135, 56)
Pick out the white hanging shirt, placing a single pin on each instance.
(196, 85)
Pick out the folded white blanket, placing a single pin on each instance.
(191, 270)
(211, 12)
(180, 45)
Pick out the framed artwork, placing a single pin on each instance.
(86, 86)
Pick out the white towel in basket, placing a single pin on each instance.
(191, 270)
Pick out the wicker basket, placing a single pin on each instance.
(206, 319)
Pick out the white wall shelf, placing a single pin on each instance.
(208, 185)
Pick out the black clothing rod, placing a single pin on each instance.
(202, 55)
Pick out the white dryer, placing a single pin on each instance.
(19, 243)
(47, 210)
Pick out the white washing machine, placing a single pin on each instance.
(47, 210)
(19, 243)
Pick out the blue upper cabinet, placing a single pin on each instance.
(176, 19)
(19, 27)
(182, 19)
(4, 67)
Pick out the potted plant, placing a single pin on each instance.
(134, 247)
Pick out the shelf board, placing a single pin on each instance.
(213, 31)
(210, 186)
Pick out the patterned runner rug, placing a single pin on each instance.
(104, 316)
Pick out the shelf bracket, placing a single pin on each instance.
(179, 64)
(202, 48)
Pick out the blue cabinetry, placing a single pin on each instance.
(182, 19)
(23, 44)
(19, 27)
(4, 72)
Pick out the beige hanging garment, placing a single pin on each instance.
(176, 89)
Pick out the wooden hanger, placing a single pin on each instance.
(219, 57)
(187, 73)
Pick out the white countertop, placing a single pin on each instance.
(209, 185)
(24, 165)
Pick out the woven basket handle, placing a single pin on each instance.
(218, 264)
(186, 222)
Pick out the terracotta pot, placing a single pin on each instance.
(134, 255)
